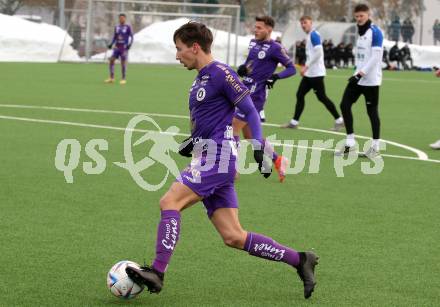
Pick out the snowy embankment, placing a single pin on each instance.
(26, 41)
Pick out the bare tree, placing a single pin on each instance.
(9, 7)
(331, 10)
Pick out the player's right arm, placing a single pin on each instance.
(242, 70)
(318, 51)
(113, 40)
(130, 38)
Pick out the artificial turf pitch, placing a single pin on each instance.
(377, 235)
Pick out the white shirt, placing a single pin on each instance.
(315, 55)
(369, 51)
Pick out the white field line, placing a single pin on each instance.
(420, 154)
(67, 123)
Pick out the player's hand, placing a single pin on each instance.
(263, 167)
(271, 81)
(128, 47)
(242, 70)
(186, 147)
(303, 70)
(110, 46)
(353, 80)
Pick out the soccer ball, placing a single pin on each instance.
(120, 284)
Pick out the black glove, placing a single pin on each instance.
(271, 81)
(264, 169)
(242, 70)
(110, 46)
(186, 147)
(128, 47)
(353, 80)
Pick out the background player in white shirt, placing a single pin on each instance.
(436, 145)
(365, 81)
(313, 73)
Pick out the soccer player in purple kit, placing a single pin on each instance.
(122, 39)
(214, 95)
(259, 76)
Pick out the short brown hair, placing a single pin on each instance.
(305, 17)
(268, 21)
(361, 8)
(195, 32)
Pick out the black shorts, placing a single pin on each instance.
(354, 91)
(315, 83)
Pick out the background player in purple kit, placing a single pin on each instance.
(214, 95)
(122, 39)
(259, 75)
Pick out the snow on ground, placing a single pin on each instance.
(423, 56)
(26, 41)
(154, 44)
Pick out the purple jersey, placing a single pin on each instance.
(213, 96)
(123, 36)
(262, 61)
(212, 100)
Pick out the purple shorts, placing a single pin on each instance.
(258, 97)
(120, 52)
(216, 188)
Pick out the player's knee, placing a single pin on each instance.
(322, 98)
(372, 111)
(343, 106)
(235, 240)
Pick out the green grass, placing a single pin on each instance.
(377, 235)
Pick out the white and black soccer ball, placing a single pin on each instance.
(118, 282)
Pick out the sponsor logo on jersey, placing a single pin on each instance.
(261, 55)
(231, 80)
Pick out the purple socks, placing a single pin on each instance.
(264, 247)
(256, 244)
(112, 70)
(167, 236)
(124, 67)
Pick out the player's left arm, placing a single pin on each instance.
(246, 106)
(376, 53)
(130, 38)
(281, 56)
(238, 94)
